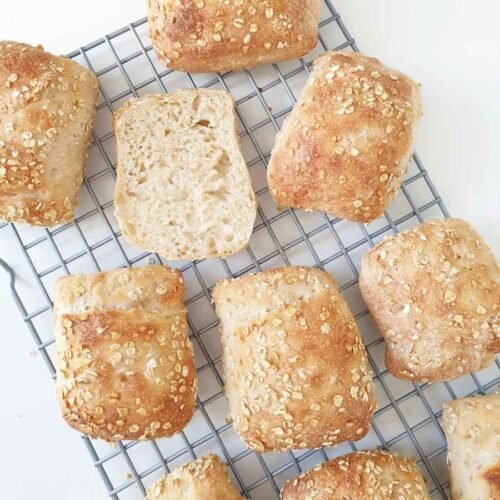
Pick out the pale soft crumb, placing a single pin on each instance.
(183, 186)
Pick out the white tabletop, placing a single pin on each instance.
(452, 48)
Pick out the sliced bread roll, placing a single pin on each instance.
(183, 188)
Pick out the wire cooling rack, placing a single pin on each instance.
(408, 415)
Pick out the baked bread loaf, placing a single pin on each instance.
(434, 293)
(202, 479)
(296, 371)
(183, 188)
(472, 428)
(346, 146)
(217, 35)
(124, 362)
(47, 106)
(367, 475)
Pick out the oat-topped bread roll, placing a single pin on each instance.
(296, 371)
(124, 362)
(217, 35)
(183, 188)
(346, 146)
(434, 292)
(367, 475)
(202, 479)
(472, 427)
(47, 106)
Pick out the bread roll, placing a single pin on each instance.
(366, 475)
(472, 427)
(47, 106)
(346, 146)
(124, 362)
(202, 479)
(183, 188)
(216, 35)
(434, 293)
(296, 371)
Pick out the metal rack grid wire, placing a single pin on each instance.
(407, 418)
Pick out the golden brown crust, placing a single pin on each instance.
(47, 106)
(216, 35)
(296, 370)
(205, 478)
(364, 475)
(434, 292)
(125, 366)
(346, 146)
(492, 478)
(154, 289)
(472, 427)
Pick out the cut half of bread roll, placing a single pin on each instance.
(472, 427)
(203, 479)
(183, 188)
(47, 107)
(346, 146)
(365, 475)
(296, 371)
(124, 361)
(434, 293)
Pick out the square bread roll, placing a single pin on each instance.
(217, 35)
(434, 293)
(368, 475)
(202, 479)
(183, 188)
(346, 146)
(47, 107)
(124, 362)
(296, 370)
(472, 428)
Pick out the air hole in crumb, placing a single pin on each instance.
(196, 102)
(203, 123)
(219, 194)
(180, 196)
(211, 242)
(229, 237)
(222, 164)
